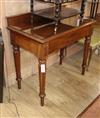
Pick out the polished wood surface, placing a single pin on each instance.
(54, 1)
(41, 40)
(65, 12)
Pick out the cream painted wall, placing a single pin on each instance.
(10, 7)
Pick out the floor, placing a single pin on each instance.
(67, 91)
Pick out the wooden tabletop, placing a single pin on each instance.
(64, 13)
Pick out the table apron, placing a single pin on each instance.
(69, 39)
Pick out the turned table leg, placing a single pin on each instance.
(16, 52)
(42, 77)
(83, 4)
(85, 54)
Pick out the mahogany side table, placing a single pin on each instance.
(41, 40)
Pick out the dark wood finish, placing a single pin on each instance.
(41, 40)
(94, 8)
(90, 57)
(23, 21)
(83, 4)
(42, 76)
(59, 12)
(16, 52)
(55, 1)
(85, 54)
(32, 10)
(1, 67)
(61, 55)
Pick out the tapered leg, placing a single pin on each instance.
(16, 52)
(61, 55)
(92, 10)
(85, 54)
(96, 6)
(89, 58)
(42, 77)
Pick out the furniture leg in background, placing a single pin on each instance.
(62, 54)
(94, 8)
(85, 53)
(1, 68)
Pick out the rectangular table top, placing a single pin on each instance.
(42, 29)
